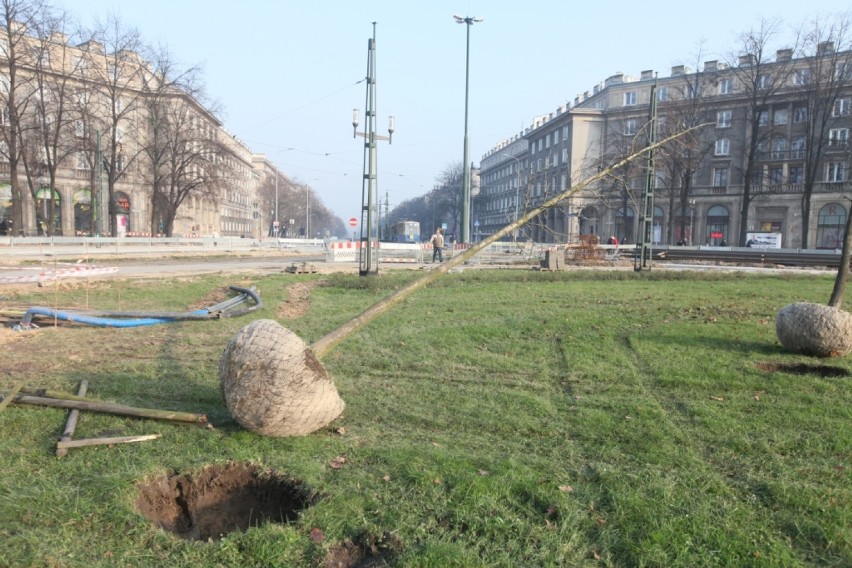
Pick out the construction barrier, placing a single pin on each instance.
(388, 252)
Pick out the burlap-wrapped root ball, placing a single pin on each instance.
(814, 329)
(273, 384)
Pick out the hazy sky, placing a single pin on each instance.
(288, 73)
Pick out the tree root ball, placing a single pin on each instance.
(273, 384)
(814, 329)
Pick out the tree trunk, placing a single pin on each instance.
(836, 299)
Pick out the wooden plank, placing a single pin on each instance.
(199, 419)
(71, 425)
(104, 441)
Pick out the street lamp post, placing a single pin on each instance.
(692, 222)
(465, 222)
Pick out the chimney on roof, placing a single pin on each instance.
(678, 70)
(646, 75)
(747, 60)
(783, 55)
(825, 47)
(616, 79)
(710, 66)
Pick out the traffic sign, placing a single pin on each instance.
(353, 222)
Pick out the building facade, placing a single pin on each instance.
(768, 153)
(99, 142)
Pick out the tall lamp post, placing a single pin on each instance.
(465, 222)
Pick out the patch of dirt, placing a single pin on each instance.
(369, 552)
(804, 369)
(221, 499)
(298, 300)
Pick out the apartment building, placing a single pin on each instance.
(100, 141)
(768, 153)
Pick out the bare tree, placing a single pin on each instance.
(115, 67)
(51, 119)
(679, 160)
(16, 54)
(446, 198)
(760, 81)
(180, 142)
(828, 70)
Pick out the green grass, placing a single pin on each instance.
(505, 418)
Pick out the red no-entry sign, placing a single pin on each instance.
(353, 222)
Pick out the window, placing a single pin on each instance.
(776, 176)
(723, 147)
(781, 116)
(831, 222)
(82, 162)
(723, 119)
(80, 129)
(797, 174)
(841, 108)
(834, 172)
(798, 147)
(717, 225)
(838, 137)
(630, 98)
(726, 86)
(764, 81)
(720, 177)
(691, 92)
(800, 114)
(843, 71)
(779, 148)
(547, 141)
(763, 118)
(630, 126)
(663, 94)
(556, 137)
(802, 77)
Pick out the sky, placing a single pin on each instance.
(287, 74)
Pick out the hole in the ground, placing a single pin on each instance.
(221, 499)
(369, 551)
(804, 369)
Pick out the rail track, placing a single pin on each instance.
(768, 257)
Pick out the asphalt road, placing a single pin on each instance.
(48, 270)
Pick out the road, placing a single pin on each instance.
(48, 270)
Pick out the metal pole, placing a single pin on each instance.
(465, 221)
(99, 220)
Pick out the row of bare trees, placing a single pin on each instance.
(812, 76)
(297, 202)
(101, 101)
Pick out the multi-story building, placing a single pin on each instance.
(100, 141)
(768, 153)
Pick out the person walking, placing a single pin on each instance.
(437, 241)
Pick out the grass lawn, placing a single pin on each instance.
(496, 418)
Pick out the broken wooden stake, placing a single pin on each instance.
(71, 425)
(8, 398)
(64, 445)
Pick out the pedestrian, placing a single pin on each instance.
(437, 241)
